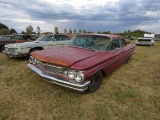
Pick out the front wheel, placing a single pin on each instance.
(96, 81)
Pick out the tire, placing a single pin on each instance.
(96, 81)
(2, 48)
(126, 61)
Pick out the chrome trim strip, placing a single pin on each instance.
(77, 87)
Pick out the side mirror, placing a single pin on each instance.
(117, 49)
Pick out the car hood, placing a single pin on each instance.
(77, 58)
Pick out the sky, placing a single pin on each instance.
(90, 15)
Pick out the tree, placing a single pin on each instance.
(80, 31)
(13, 31)
(99, 32)
(65, 31)
(108, 32)
(3, 26)
(29, 29)
(56, 30)
(74, 31)
(70, 31)
(84, 31)
(4, 31)
(38, 31)
(23, 32)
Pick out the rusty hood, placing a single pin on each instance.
(70, 56)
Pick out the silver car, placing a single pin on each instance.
(145, 41)
(42, 43)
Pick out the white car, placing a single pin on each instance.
(145, 41)
(44, 42)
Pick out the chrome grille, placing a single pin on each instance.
(11, 49)
(51, 68)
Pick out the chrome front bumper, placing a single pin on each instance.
(75, 86)
(143, 43)
(13, 54)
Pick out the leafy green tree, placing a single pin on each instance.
(84, 31)
(38, 31)
(56, 30)
(70, 31)
(65, 31)
(99, 32)
(4, 31)
(23, 32)
(3, 26)
(13, 31)
(80, 31)
(108, 32)
(74, 31)
(29, 29)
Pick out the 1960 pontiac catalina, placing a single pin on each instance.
(82, 65)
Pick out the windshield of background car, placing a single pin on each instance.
(6, 38)
(17, 37)
(61, 37)
(45, 38)
(93, 42)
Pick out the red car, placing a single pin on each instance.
(82, 65)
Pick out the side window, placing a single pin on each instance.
(122, 42)
(47, 38)
(80, 41)
(58, 38)
(32, 38)
(115, 44)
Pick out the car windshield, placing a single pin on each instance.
(45, 38)
(94, 42)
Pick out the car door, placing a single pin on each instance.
(120, 52)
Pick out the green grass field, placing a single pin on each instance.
(130, 93)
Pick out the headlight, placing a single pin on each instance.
(33, 60)
(30, 59)
(78, 76)
(72, 74)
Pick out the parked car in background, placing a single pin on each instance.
(6, 37)
(44, 42)
(82, 65)
(148, 39)
(157, 38)
(145, 41)
(9, 39)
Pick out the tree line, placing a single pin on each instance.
(4, 30)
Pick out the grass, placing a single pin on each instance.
(130, 93)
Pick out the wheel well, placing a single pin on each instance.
(103, 73)
(36, 48)
(2, 47)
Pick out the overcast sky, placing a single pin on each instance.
(89, 15)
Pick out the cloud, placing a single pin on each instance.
(91, 15)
